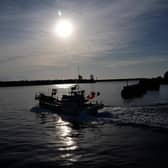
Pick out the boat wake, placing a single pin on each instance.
(149, 116)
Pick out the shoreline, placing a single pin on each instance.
(52, 82)
(69, 81)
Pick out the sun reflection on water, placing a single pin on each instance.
(64, 86)
(68, 145)
(65, 136)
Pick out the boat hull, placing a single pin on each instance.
(91, 109)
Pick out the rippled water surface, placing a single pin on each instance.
(130, 133)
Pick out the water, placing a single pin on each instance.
(130, 133)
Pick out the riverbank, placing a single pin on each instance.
(69, 81)
(52, 82)
(41, 82)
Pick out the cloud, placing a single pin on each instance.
(110, 25)
(108, 32)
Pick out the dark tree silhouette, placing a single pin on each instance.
(166, 75)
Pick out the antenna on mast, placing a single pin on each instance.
(78, 70)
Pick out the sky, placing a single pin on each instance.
(111, 39)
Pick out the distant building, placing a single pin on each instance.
(80, 77)
(92, 77)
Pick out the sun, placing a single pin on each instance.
(64, 28)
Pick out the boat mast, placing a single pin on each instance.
(78, 71)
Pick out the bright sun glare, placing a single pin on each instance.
(64, 28)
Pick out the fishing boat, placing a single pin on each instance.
(139, 89)
(133, 91)
(72, 103)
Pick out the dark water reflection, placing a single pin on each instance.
(65, 137)
(100, 141)
(125, 134)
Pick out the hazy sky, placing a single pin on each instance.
(112, 39)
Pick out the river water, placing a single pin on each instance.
(126, 133)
